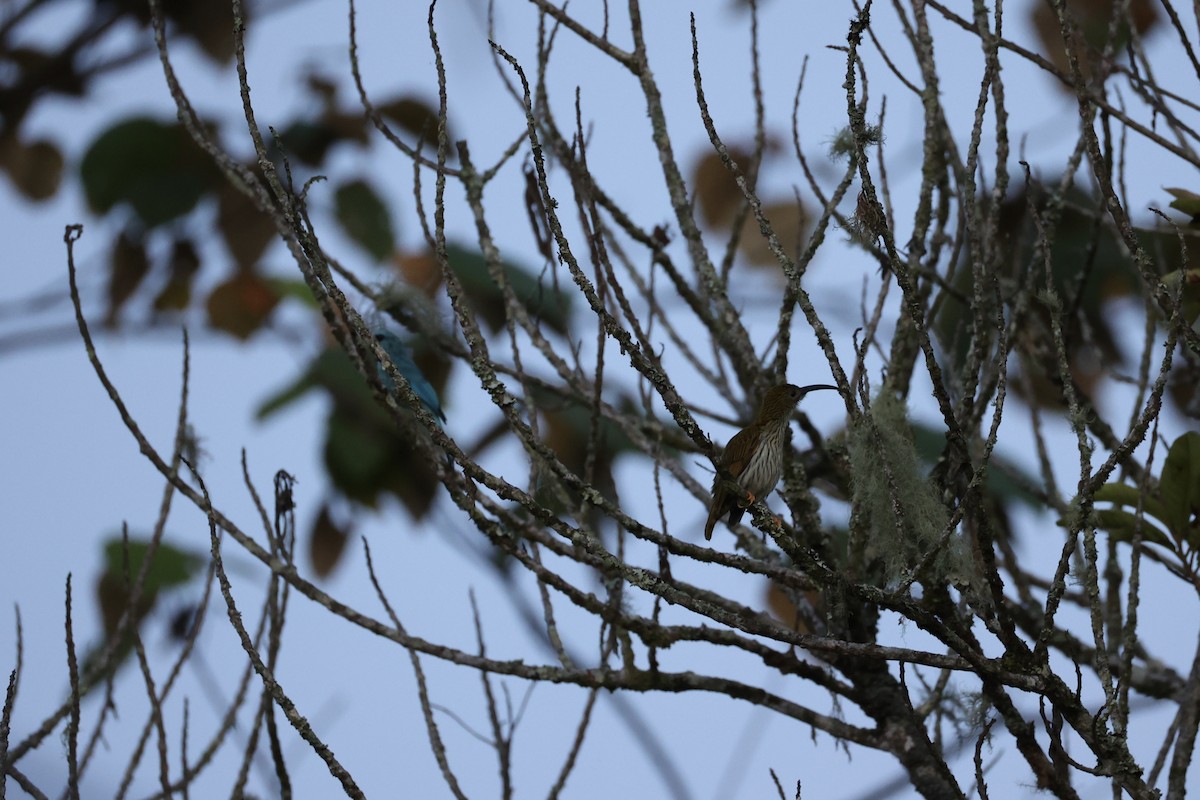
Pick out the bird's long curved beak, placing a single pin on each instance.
(815, 387)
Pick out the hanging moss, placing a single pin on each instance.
(900, 506)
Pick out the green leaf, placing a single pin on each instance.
(1121, 526)
(366, 453)
(172, 566)
(1125, 495)
(1185, 201)
(542, 300)
(154, 167)
(295, 289)
(285, 396)
(331, 369)
(1002, 475)
(365, 218)
(307, 142)
(1189, 306)
(1180, 486)
(356, 454)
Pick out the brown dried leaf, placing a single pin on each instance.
(788, 220)
(246, 230)
(415, 116)
(128, 266)
(184, 264)
(327, 543)
(717, 193)
(420, 271)
(1091, 18)
(209, 24)
(241, 305)
(346, 127)
(35, 169)
(785, 610)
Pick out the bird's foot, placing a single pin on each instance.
(746, 500)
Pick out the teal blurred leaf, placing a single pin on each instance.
(365, 218)
(541, 300)
(331, 370)
(1004, 478)
(367, 453)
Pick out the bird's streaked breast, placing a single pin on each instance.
(766, 464)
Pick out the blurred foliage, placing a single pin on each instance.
(778, 600)
(152, 167)
(129, 266)
(35, 168)
(1005, 480)
(1089, 268)
(366, 454)
(245, 230)
(241, 305)
(171, 568)
(150, 174)
(1187, 202)
(365, 218)
(182, 266)
(1171, 514)
(719, 199)
(90, 46)
(567, 430)
(327, 542)
(208, 24)
(163, 197)
(548, 304)
(1092, 24)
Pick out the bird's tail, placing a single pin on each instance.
(714, 514)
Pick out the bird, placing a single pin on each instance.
(401, 356)
(754, 456)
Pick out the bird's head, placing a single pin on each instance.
(780, 400)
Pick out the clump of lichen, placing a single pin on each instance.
(842, 145)
(904, 519)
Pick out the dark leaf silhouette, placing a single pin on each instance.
(151, 166)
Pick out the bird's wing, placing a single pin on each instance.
(737, 456)
(734, 460)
